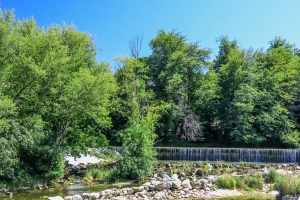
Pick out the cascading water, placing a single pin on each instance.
(227, 154)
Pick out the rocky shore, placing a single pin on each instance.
(163, 190)
(194, 180)
(188, 180)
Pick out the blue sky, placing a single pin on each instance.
(252, 22)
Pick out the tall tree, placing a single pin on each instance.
(177, 67)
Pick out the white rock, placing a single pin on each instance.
(186, 184)
(176, 184)
(55, 198)
(95, 194)
(77, 197)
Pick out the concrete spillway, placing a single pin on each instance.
(227, 154)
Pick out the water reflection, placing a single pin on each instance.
(60, 191)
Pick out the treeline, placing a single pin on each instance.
(56, 99)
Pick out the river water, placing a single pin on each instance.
(60, 190)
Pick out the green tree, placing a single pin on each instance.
(176, 69)
(233, 68)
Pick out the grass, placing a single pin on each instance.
(111, 175)
(272, 176)
(252, 181)
(288, 185)
(227, 182)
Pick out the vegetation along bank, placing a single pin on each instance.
(57, 100)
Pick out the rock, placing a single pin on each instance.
(76, 197)
(203, 182)
(176, 184)
(106, 192)
(175, 177)
(162, 186)
(281, 171)
(90, 196)
(155, 182)
(196, 184)
(207, 189)
(159, 196)
(186, 184)
(119, 198)
(211, 179)
(86, 196)
(142, 193)
(129, 190)
(137, 189)
(55, 198)
(147, 184)
(123, 192)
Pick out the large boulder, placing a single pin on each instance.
(186, 184)
(196, 184)
(176, 184)
(162, 186)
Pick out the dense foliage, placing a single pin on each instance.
(56, 99)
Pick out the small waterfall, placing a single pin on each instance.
(227, 154)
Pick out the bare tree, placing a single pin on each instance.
(189, 129)
(135, 45)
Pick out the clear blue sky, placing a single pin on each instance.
(252, 22)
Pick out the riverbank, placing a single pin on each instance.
(179, 180)
(160, 190)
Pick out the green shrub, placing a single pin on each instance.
(94, 173)
(240, 183)
(244, 164)
(254, 180)
(137, 152)
(272, 176)
(227, 182)
(288, 185)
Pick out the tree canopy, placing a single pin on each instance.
(56, 99)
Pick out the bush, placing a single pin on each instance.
(227, 182)
(240, 183)
(272, 176)
(137, 152)
(112, 174)
(254, 180)
(288, 185)
(94, 173)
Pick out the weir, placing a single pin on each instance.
(226, 154)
